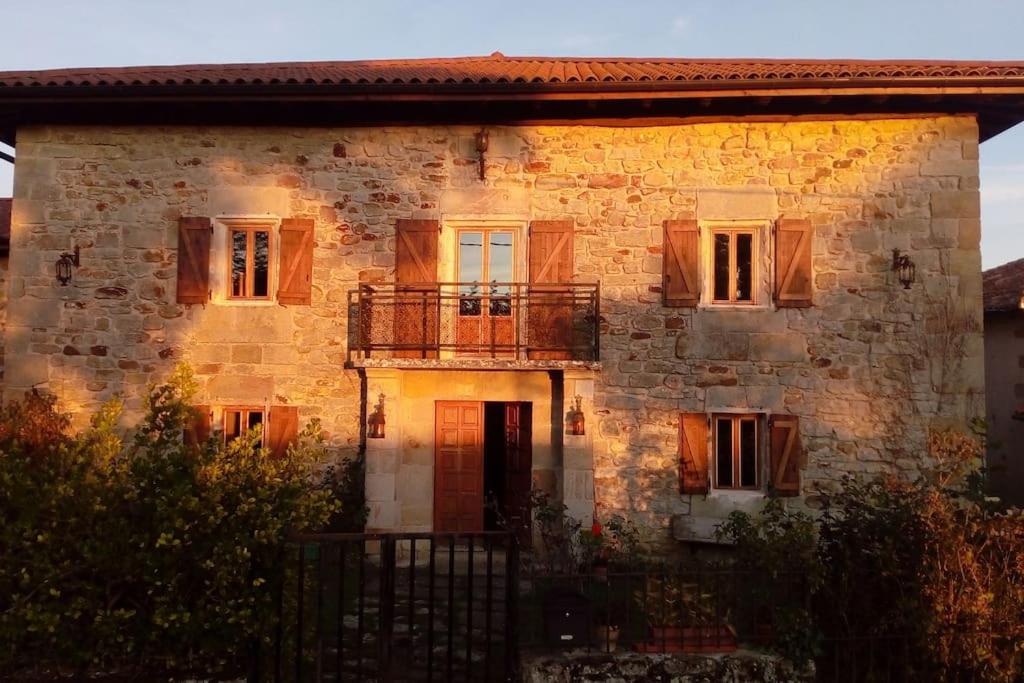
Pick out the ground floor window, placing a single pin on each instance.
(241, 419)
(737, 451)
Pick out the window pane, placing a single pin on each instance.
(239, 240)
(500, 268)
(723, 452)
(261, 264)
(232, 424)
(721, 269)
(748, 453)
(744, 267)
(471, 250)
(255, 419)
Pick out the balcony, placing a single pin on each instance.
(491, 324)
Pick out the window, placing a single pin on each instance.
(733, 266)
(239, 420)
(737, 451)
(485, 258)
(249, 262)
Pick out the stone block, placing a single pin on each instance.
(382, 516)
(742, 203)
(380, 487)
(246, 353)
(382, 461)
(725, 320)
(27, 371)
(248, 199)
(248, 389)
(414, 484)
(956, 204)
(35, 313)
(789, 348)
(725, 398)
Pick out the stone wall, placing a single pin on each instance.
(868, 369)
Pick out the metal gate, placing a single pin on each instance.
(395, 607)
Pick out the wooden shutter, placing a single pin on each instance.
(680, 272)
(282, 430)
(417, 302)
(197, 431)
(793, 283)
(295, 283)
(549, 318)
(194, 235)
(693, 453)
(786, 455)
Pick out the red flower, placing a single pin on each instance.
(595, 529)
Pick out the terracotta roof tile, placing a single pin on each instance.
(498, 69)
(1003, 287)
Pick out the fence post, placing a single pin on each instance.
(387, 608)
(512, 609)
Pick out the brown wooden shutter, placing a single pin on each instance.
(786, 455)
(693, 453)
(194, 235)
(296, 274)
(793, 284)
(417, 302)
(680, 273)
(549, 318)
(197, 431)
(282, 429)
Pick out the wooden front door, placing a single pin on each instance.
(459, 467)
(518, 467)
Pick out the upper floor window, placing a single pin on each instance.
(250, 262)
(734, 268)
(486, 266)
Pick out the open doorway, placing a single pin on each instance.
(483, 465)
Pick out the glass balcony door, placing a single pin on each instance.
(486, 318)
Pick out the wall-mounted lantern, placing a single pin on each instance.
(906, 271)
(482, 143)
(64, 264)
(577, 421)
(375, 423)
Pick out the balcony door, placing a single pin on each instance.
(486, 267)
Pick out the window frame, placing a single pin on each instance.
(245, 410)
(250, 230)
(220, 257)
(762, 262)
(755, 267)
(736, 420)
(484, 230)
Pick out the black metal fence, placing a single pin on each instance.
(664, 609)
(395, 607)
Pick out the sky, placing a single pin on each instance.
(51, 33)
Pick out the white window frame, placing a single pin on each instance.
(762, 263)
(220, 252)
(734, 495)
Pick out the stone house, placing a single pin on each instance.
(662, 288)
(1004, 378)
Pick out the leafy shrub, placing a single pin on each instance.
(143, 555)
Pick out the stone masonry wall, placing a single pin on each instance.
(868, 369)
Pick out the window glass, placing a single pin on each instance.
(723, 452)
(721, 268)
(239, 251)
(744, 258)
(261, 264)
(471, 269)
(500, 268)
(748, 453)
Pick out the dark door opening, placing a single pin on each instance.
(508, 465)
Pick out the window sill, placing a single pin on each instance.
(735, 307)
(736, 494)
(243, 303)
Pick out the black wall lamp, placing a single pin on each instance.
(904, 268)
(376, 421)
(64, 264)
(483, 141)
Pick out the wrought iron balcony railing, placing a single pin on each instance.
(511, 320)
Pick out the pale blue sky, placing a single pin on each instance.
(43, 34)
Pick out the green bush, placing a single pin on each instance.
(144, 554)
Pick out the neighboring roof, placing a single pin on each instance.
(502, 89)
(5, 225)
(1003, 286)
(499, 69)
